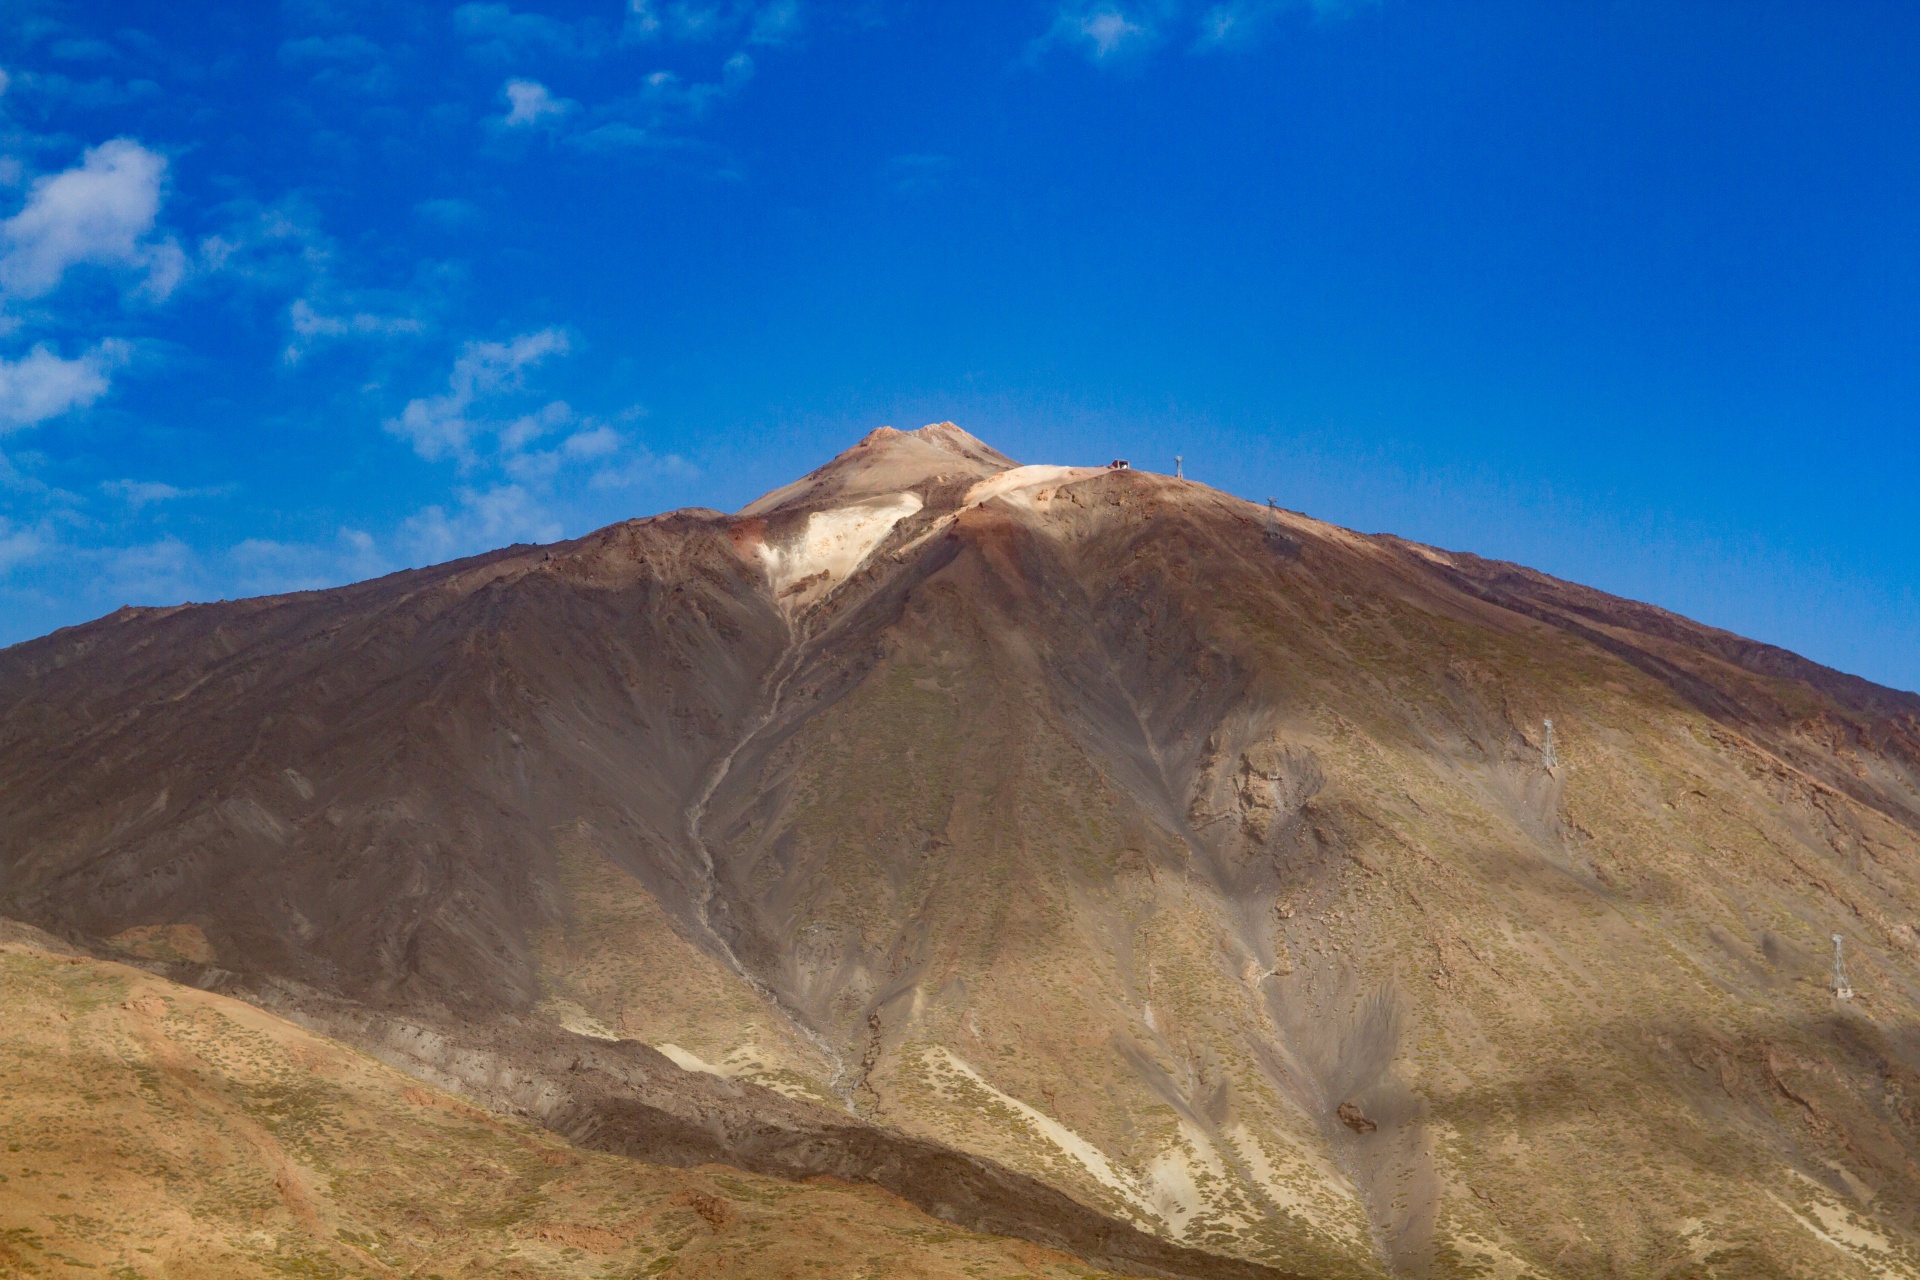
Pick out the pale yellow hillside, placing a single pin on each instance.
(156, 1130)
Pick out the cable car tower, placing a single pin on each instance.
(1549, 759)
(1178, 473)
(1842, 989)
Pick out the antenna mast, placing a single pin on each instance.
(1842, 989)
(1549, 759)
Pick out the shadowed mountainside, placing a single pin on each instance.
(1199, 864)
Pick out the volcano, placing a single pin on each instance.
(1081, 854)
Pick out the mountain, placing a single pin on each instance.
(1082, 854)
(259, 1148)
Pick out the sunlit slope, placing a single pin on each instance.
(155, 1130)
(1201, 862)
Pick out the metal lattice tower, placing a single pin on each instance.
(1842, 989)
(1549, 759)
(1178, 474)
(1273, 515)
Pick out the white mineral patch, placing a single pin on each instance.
(1308, 1189)
(832, 546)
(1172, 1187)
(1025, 482)
(1846, 1231)
(576, 1019)
(941, 1059)
(687, 1060)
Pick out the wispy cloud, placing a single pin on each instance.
(1240, 22)
(1104, 32)
(101, 212)
(140, 494)
(446, 425)
(758, 21)
(528, 456)
(309, 326)
(531, 103)
(20, 544)
(281, 249)
(41, 385)
(479, 519)
(1116, 31)
(497, 33)
(267, 566)
(647, 118)
(666, 88)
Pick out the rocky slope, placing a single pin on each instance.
(1199, 864)
(156, 1130)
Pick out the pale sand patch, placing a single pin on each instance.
(1500, 1264)
(573, 1017)
(1173, 1189)
(744, 1063)
(688, 1061)
(1174, 1177)
(1699, 1238)
(1840, 1227)
(831, 547)
(940, 1058)
(1314, 1192)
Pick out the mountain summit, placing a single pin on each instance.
(1083, 854)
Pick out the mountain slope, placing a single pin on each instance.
(1200, 863)
(156, 1130)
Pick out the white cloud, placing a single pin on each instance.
(101, 213)
(529, 427)
(775, 22)
(41, 385)
(20, 544)
(138, 493)
(282, 249)
(1102, 31)
(496, 33)
(143, 493)
(277, 247)
(539, 463)
(531, 102)
(1110, 30)
(442, 426)
(163, 572)
(264, 566)
(1107, 30)
(641, 468)
(309, 325)
(763, 21)
(665, 87)
(599, 442)
(484, 519)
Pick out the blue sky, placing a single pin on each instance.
(1626, 291)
